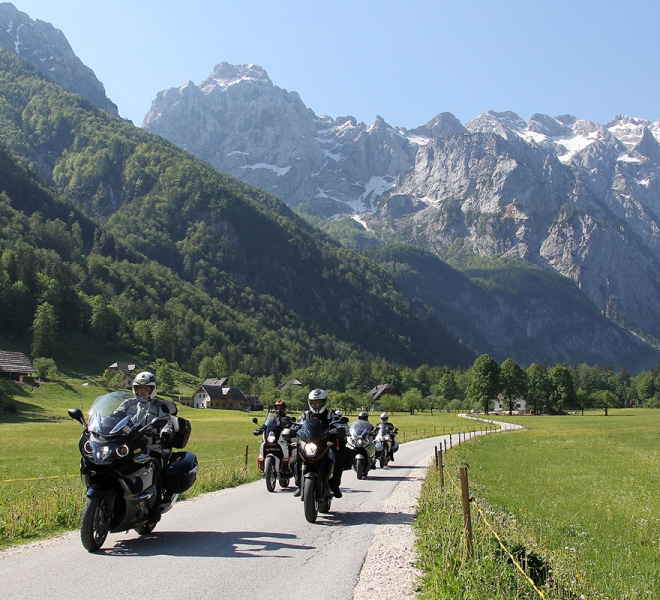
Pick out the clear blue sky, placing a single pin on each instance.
(406, 60)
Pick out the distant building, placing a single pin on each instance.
(128, 371)
(212, 395)
(15, 365)
(502, 405)
(289, 383)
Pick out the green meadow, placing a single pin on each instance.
(41, 493)
(575, 498)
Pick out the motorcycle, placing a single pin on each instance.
(119, 473)
(317, 461)
(276, 454)
(361, 448)
(385, 444)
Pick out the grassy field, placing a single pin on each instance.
(577, 495)
(41, 493)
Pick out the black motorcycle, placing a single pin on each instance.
(119, 472)
(316, 460)
(360, 448)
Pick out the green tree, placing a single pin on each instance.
(44, 331)
(604, 399)
(166, 375)
(220, 365)
(538, 388)
(413, 400)
(513, 380)
(484, 382)
(391, 402)
(207, 368)
(562, 390)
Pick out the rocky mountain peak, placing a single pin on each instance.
(225, 75)
(48, 49)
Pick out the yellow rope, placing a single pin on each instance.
(515, 562)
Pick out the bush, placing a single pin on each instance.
(45, 368)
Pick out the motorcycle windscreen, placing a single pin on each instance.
(116, 412)
(311, 430)
(360, 429)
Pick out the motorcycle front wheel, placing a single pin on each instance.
(311, 504)
(95, 523)
(271, 473)
(146, 529)
(359, 469)
(383, 461)
(284, 482)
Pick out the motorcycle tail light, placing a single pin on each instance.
(122, 451)
(271, 438)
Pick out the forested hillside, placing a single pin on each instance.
(151, 250)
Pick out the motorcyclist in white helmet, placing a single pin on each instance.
(385, 425)
(145, 388)
(318, 409)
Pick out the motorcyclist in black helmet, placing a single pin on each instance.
(363, 416)
(318, 409)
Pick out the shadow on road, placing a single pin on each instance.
(215, 544)
(351, 519)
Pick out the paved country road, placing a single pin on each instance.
(240, 543)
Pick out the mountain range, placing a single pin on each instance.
(244, 248)
(563, 194)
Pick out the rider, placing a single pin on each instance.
(386, 426)
(318, 409)
(145, 387)
(363, 416)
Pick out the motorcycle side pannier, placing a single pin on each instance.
(181, 437)
(181, 473)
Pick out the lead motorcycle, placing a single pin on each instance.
(276, 455)
(120, 473)
(361, 448)
(317, 461)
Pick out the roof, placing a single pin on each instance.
(124, 368)
(288, 383)
(221, 381)
(15, 362)
(384, 389)
(213, 391)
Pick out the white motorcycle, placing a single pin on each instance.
(386, 444)
(276, 455)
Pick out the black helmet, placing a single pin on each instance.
(317, 400)
(363, 416)
(148, 379)
(383, 418)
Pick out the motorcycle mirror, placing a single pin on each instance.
(255, 420)
(77, 415)
(159, 423)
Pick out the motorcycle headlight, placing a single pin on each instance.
(102, 453)
(359, 442)
(271, 438)
(87, 447)
(310, 449)
(122, 451)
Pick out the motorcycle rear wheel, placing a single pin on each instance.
(271, 473)
(94, 523)
(311, 505)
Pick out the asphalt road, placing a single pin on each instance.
(241, 543)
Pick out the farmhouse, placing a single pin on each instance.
(128, 371)
(15, 365)
(213, 393)
(502, 405)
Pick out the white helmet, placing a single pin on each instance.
(384, 418)
(317, 400)
(146, 378)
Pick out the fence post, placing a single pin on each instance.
(247, 449)
(445, 441)
(436, 458)
(467, 520)
(442, 471)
